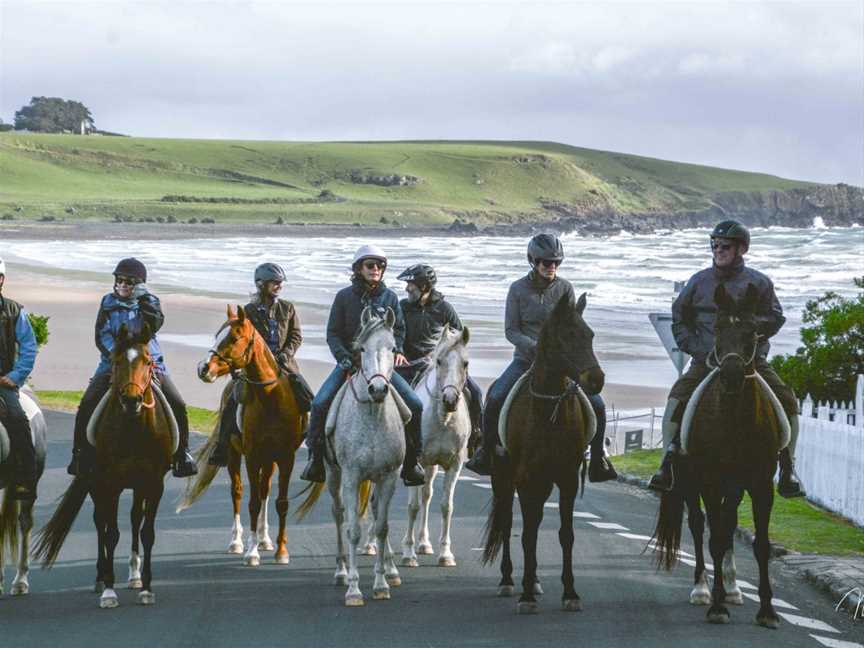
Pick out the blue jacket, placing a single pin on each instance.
(18, 343)
(344, 322)
(114, 312)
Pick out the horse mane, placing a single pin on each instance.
(367, 329)
(445, 344)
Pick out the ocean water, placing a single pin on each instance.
(625, 276)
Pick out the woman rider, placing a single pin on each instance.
(530, 301)
(132, 304)
(277, 322)
(367, 289)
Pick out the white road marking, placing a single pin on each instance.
(806, 622)
(635, 536)
(746, 584)
(608, 525)
(462, 477)
(836, 643)
(587, 516)
(476, 548)
(482, 485)
(774, 601)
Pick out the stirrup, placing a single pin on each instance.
(183, 465)
(314, 470)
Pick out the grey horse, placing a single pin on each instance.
(10, 536)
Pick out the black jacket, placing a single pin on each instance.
(423, 324)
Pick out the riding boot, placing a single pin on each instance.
(600, 468)
(24, 462)
(314, 470)
(227, 425)
(664, 478)
(787, 485)
(412, 474)
(183, 464)
(83, 458)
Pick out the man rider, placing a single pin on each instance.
(17, 356)
(277, 322)
(426, 313)
(367, 289)
(530, 302)
(131, 304)
(693, 317)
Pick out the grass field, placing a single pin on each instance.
(81, 177)
(795, 523)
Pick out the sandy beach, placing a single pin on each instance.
(69, 358)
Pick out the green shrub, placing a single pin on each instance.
(40, 328)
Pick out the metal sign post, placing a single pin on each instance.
(662, 323)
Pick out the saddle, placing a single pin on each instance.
(693, 403)
(97, 414)
(590, 416)
(303, 395)
(31, 409)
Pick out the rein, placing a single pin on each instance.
(443, 387)
(718, 362)
(143, 389)
(571, 388)
(237, 374)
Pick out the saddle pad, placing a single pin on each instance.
(330, 425)
(31, 409)
(97, 413)
(590, 422)
(690, 410)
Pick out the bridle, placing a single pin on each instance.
(368, 379)
(443, 387)
(238, 374)
(143, 389)
(718, 362)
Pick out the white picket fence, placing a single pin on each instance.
(829, 458)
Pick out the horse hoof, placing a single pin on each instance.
(700, 598)
(446, 561)
(282, 559)
(369, 550)
(394, 581)
(354, 600)
(266, 545)
(770, 622)
(571, 605)
(538, 591)
(235, 548)
(381, 595)
(527, 607)
(98, 587)
(146, 598)
(108, 600)
(20, 589)
(734, 598)
(506, 590)
(718, 615)
(407, 561)
(253, 561)
(425, 550)
(135, 583)
(340, 579)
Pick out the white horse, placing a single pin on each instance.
(12, 536)
(367, 444)
(446, 427)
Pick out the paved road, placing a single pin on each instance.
(206, 597)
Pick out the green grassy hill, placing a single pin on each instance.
(107, 177)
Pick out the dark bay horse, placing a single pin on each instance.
(547, 432)
(271, 432)
(135, 438)
(731, 448)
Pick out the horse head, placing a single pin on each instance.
(232, 349)
(451, 363)
(376, 346)
(567, 342)
(736, 336)
(132, 369)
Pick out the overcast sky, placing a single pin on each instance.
(763, 86)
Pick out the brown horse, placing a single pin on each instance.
(547, 432)
(135, 437)
(272, 430)
(731, 447)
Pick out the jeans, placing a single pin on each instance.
(18, 427)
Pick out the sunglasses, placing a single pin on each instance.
(549, 263)
(372, 263)
(720, 246)
(127, 281)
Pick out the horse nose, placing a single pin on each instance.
(378, 390)
(593, 380)
(204, 370)
(450, 399)
(131, 404)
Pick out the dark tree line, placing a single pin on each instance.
(53, 115)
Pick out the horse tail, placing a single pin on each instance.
(206, 473)
(667, 534)
(8, 525)
(497, 529)
(365, 492)
(308, 504)
(50, 538)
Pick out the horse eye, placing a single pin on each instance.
(438, 362)
(465, 364)
(362, 349)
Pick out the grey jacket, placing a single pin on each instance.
(530, 301)
(694, 311)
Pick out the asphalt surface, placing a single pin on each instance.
(205, 597)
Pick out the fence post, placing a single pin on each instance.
(651, 442)
(859, 402)
(807, 407)
(823, 412)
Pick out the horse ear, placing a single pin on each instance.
(445, 332)
(146, 333)
(582, 303)
(751, 298)
(241, 314)
(465, 335)
(722, 299)
(390, 318)
(365, 316)
(123, 333)
(232, 314)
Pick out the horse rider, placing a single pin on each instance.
(530, 302)
(693, 317)
(17, 356)
(277, 322)
(367, 289)
(132, 304)
(426, 313)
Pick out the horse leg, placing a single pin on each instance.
(424, 545)
(445, 553)
(285, 468)
(762, 497)
(236, 545)
(136, 516)
(532, 516)
(334, 486)
(717, 544)
(386, 573)
(353, 597)
(367, 529)
(734, 596)
(21, 583)
(1, 567)
(570, 601)
(700, 594)
(409, 555)
(264, 541)
(506, 586)
(148, 538)
(252, 558)
(109, 503)
(99, 523)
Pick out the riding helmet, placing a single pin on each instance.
(368, 252)
(421, 274)
(269, 272)
(732, 229)
(131, 267)
(545, 246)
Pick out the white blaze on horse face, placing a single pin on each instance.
(131, 354)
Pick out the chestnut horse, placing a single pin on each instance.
(271, 432)
(546, 433)
(135, 438)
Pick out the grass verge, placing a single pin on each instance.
(797, 524)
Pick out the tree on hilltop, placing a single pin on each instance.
(53, 115)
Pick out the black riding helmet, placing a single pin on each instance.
(732, 229)
(269, 272)
(421, 274)
(545, 246)
(131, 267)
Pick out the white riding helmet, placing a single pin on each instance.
(2, 267)
(368, 252)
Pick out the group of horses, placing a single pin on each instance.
(546, 426)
